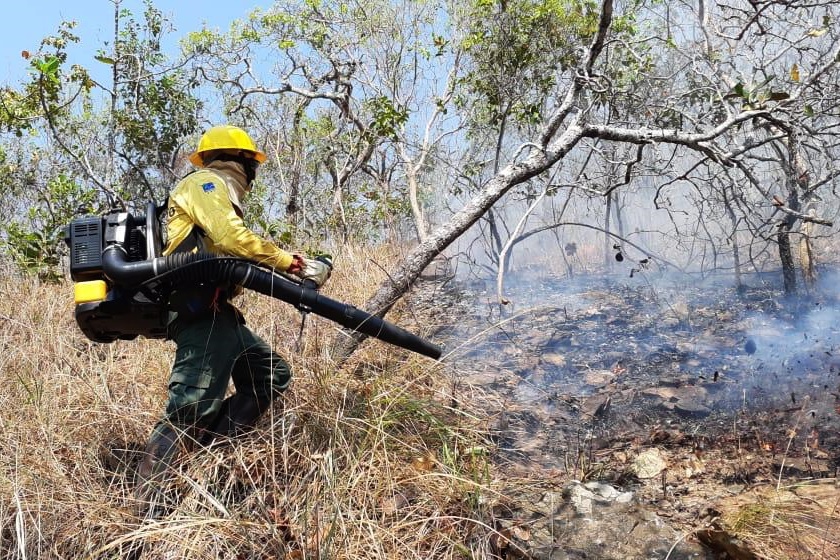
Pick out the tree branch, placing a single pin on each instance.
(779, 204)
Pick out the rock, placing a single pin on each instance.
(598, 520)
(605, 493)
(649, 463)
(686, 400)
(583, 497)
(690, 408)
(551, 502)
(580, 499)
(662, 393)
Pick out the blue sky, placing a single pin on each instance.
(23, 25)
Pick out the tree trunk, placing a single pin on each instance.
(292, 203)
(806, 257)
(495, 236)
(619, 218)
(416, 209)
(786, 256)
(607, 239)
(733, 238)
(401, 279)
(797, 179)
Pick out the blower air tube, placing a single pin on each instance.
(201, 267)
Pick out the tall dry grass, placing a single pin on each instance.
(375, 460)
(796, 522)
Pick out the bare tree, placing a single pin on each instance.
(711, 136)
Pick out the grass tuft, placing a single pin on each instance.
(375, 460)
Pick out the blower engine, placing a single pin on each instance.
(107, 310)
(123, 282)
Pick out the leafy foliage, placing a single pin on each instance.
(517, 50)
(155, 110)
(90, 144)
(36, 242)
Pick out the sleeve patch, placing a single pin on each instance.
(208, 187)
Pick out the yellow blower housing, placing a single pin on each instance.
(92, 290)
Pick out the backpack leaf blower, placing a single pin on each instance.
(122, 283)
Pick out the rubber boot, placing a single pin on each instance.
(238, 415)
(161, 450)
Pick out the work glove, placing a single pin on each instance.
(312, 272)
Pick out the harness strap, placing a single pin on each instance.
(193, 242)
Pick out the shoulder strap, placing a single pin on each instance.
(193, 242)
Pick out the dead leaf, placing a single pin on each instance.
(794, 72)
(558, 360)
(500, 541)
(694, 466)
(425, 463)
(392, 504)
(521, 533)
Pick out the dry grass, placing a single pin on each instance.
(797, 522)
(379, 460)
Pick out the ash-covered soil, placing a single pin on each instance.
(594, 378)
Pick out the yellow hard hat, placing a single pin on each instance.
(225, 137)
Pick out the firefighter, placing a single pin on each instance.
(213, 345)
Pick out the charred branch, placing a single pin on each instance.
(629, 171)
(779, 204)
(696, 141)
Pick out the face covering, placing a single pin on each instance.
(250, 166)
(236, 179)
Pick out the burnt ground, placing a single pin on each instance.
(732, 388)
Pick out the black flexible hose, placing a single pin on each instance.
(204, 267)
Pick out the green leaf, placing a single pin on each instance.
(104, 59)
(809, 111)
(51, 65)
(48, 67)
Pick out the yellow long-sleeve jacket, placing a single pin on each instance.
(209, 199)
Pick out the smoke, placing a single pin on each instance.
(795, 345)
(751, 348)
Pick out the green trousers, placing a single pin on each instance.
(213, 348)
